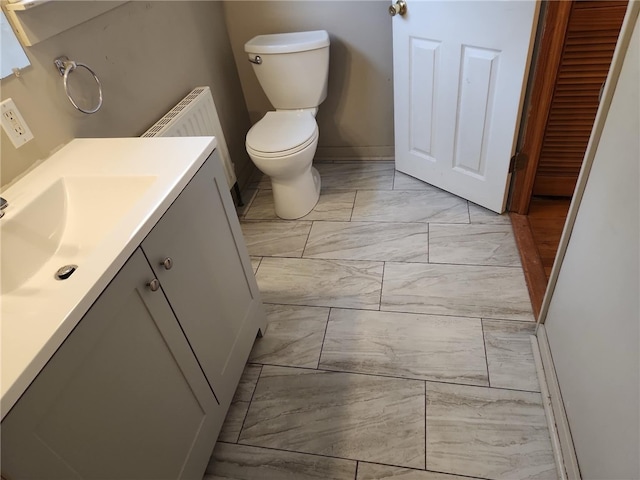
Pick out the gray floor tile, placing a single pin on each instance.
(321, 283)
(448, 349)
(293, 337)
(510, 355)
(356, 175)
(487, 432)
(332, 205)
(432, 205)
(276, 238)
(399, 242)
(473, 245)
(359, 417)
(255, 263)
(242, 462)
(480, 214)
(240, 404)
(402, 181)
(371, 471)
(460, 290)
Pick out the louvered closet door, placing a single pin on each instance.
(589, 44)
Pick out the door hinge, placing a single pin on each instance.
(518, 162)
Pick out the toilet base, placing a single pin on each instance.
(295, 198)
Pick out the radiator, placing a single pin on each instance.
(195, 115)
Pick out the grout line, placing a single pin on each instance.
(395, 377)
(246, 414)
(326, 327)
(277, 449)
(523, 322)
(381, 287)
(484, 345)
(307, 240)
(353, 206)
(357, 465)
(425, 425)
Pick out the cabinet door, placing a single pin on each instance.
(211, 286)
(123, 397)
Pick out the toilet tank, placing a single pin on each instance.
(294, 67)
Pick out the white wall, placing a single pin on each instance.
(148, 55)
(356, 119)
(594, 314)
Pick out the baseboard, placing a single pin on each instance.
(355, 153)
(562, 441)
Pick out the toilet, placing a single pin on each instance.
(292, 69)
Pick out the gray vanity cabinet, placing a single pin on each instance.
(123, 397)
(198, 253)
(140, 388)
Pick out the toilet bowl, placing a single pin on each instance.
(282, 145)
(292, 69)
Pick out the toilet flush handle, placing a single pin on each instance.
(257, 60)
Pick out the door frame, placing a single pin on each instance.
(547, 64)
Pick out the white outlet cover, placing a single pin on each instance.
(13, 124)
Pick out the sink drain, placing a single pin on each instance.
(65, 272)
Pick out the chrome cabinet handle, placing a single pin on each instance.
(153, 285)
(398, 8)
(167, 263)
(257, 60)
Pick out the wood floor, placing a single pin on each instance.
(538, 236)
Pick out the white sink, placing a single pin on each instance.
(90, 204)
(61, 225)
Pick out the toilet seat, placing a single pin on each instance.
(282, 133)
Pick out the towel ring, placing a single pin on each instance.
(65, 67)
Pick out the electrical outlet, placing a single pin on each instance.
(13, 124)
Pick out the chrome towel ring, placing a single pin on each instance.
(65, 67)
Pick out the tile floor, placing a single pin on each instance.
(398, 341)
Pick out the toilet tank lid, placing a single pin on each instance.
(287, 42)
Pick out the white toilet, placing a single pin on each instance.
(292, 69)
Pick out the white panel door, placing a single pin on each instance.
(459, 72)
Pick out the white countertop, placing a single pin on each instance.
(36, 318)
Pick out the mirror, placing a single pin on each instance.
(11, 55)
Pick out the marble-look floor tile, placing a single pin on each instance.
(487, 432)
(510, 355)
(320, 283)
(332, 205)
(275, 238)
(372, 471)
(422, 347)
(432, 205)
(480, 214)
(255, 263)
(398, 242)
(243, 462)
(359, 417)
(402, 181)
(473, 245)
(293, 337)
(356, 175)
(240, 404)
(460, 290)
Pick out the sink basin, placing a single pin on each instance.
(62, 224)
(90, 204)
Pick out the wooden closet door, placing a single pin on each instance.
(589, 43)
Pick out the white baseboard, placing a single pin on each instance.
(562, 441)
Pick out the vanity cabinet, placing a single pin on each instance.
(198, 253)
(140, 388)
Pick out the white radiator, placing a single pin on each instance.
(195, 115)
